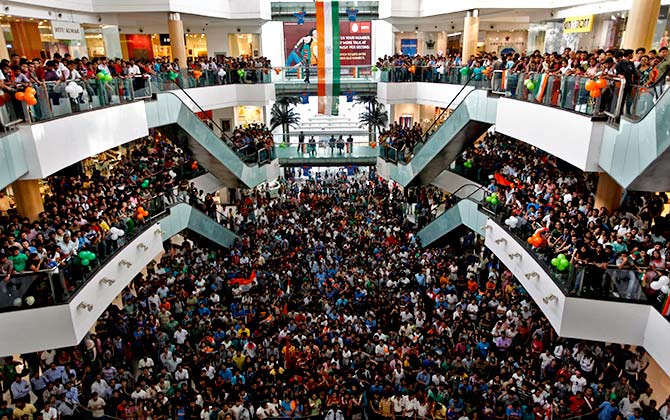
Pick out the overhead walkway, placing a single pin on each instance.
(60, 305)
(357, 154)
(627, 138)
(615, 313)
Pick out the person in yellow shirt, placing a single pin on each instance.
(243, 331)
(238, 359)
(21, 409)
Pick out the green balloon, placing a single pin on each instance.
(530, 85)
(563, 265)
(108, 78)
(172, 76)
(561, 257)
(464, 70)
(100, 75)
(240, 73)
(91, 256)
(374, 68)
(145, 183)
(468, 164)
(495, 201)
(554, 262)
(85, 263)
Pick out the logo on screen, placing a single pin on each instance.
(359, 27)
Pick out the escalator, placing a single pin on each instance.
(170, 115)
(463, 209)
(183, 216)
(637, 153)
(469, 120)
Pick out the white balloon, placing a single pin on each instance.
(18, 302)
(664, 280)
(115, 236)
(80, 89)
(120, 233)
(514, 223)
(665, 289)
(222, 72)
(30, 300)
(656, 285)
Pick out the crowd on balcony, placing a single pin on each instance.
(401, 137)
(251, 138)
(86, 213)
(638, 66)
(546, 196)
(328, 307)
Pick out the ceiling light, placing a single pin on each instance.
(454, 34)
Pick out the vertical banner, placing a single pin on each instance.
(328, 55)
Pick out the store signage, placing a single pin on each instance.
(578, 24)
(300, 43)
(164, 39)
(66, 30)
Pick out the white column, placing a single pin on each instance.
(112, 40)
(382, 39)
(272, 42)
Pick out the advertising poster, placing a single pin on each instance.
(300, 43)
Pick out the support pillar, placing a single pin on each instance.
(177, 41)
(27, 39)
(641, 24)
(28, 198)
(470, 35)
(4, 54)
(112, 40)
(608, 193)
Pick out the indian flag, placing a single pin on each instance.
(328, 60)
(542, 87)
(503, 83)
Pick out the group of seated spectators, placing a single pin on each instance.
(401, 137)
(557, 201)
(638, 67)
(81, 210)
(328, 307)
(250, 138)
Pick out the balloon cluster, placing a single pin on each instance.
(465, 70)
(173, 75)
(536, 240)
(277, 70)
(560, 262)
(27, 96)
(103, 76)
(221, 72)
(594, 87)
(529, 84)
(412, 69)
(116, 233)
(512, 222)
(493, 199)
(85, 258)
(73, 89)
(145, 184)
(141, 213)
(197, 74)
(374, 69)
(240, 73)
(662, 284)
(440, 70)
(468, 163)
(194, 165)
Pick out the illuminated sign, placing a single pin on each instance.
(578, 24)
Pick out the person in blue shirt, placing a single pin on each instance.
(608, 410)
(483, 347)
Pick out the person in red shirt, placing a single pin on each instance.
(577, 404)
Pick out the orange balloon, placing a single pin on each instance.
(601, 83)
(595, 93)
(412, 69)
(140, 209)
(19, 95)
(31, 90)
(32, 101)
(28, 97)
(140, 216)
(146, 213)
(590, 85)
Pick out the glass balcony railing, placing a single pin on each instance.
(57, 284)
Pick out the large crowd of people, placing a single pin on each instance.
(401, 138)
(80, 212)
(328, 307)
(638, 66)
(249, 139)
(549, 197)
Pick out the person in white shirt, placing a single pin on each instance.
(138, 394)
(97, 406)
(180, 335)
(578, 382)
(49, 412)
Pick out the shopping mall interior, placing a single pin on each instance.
(403, 209)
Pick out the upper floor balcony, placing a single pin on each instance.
(554, 113)
(106, 114)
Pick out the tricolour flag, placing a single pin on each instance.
(328, 60)
(503, 81)
(542, 87)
